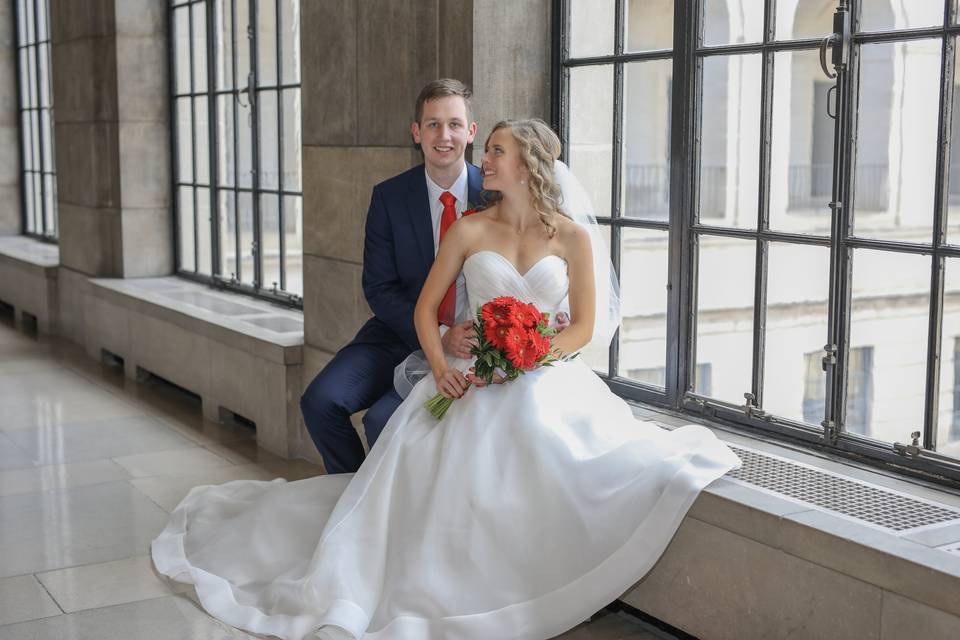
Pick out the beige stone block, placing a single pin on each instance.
(455, 47)
(716, 584)
(8, 78)
(397, 44)
(511, 63)
(144, 164)
(143, 97)
(11, 217)
(333, 302)
(108, 327)
(180, 356)
(338, 182)
(141, 18)
(147, 245)
(905, 618)
(85, 79)
(875, 556)
(9, 158)
(72, 19)
(73, 288)
(329, 89)
(87, 164)
(89, 239)
(7, 25)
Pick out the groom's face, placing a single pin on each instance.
(444, 131)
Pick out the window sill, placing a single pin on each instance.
(770, 539)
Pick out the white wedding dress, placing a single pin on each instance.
(529, 507)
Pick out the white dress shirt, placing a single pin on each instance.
(460, 191)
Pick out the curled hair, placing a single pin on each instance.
(539, 148)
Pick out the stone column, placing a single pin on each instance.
(10, 216)
(112, 144)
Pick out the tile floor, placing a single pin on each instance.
(90, 465)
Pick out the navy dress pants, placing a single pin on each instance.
(359, 377)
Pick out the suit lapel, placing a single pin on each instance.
(418, 209)
(474, 185)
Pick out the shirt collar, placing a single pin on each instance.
(458, 189)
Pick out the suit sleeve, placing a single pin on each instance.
(381, 282)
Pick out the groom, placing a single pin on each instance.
(408, 215)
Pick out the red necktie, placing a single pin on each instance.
(448, 306)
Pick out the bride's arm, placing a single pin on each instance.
(583, 295)
(446, 267)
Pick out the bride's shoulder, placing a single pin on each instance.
(573, 238)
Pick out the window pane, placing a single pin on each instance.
(43, 80)
(590, 149)
(29, 203)
(897, 140)
(41, 14)
(591, 27)
(202, 140)
(953, 175)
(643, 288)
(228, 234)
(801, 162)
(181, 36)
(646, 132)
(292, 119)
(224, 44)
(885, 15)
(649, 25)
(890, 306)
(30, 36)
(724, 321)
(730, 134)
(798, 280)
(25, 119)
(290, 40)
(267, 42)
(32, 75)
(47, 135)
(804, 19)
(225, 151)
(293, 231)
(245, 215)
(185, 225)
(270, 237)
(725, 22)
(50, 206)
(245, 145)
(24, 89)
(184, 140)
(38, 200)
(598, 357)
(269, 140)
(948, 424)
(21, 22)
(242, 40)
(204, 234)
(200, 47)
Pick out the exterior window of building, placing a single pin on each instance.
(767, 218)
(35, 97)
(238, 189)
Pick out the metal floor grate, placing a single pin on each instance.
(847, 497)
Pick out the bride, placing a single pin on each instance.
(527, 508)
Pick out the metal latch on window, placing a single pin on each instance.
(912, 449)
(830, 359)
(750, 406)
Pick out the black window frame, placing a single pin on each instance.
(234, 281)
(44, 223)
(684, 229)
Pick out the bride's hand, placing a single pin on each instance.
(480, 382)
(450, 382)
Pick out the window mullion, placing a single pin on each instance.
(278, 23)
(235, 81)
(254, 97)
(213, 135)
(616, 194)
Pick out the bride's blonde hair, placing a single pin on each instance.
(539, 148)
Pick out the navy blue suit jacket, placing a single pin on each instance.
(398, 252)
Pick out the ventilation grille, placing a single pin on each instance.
(846, 497)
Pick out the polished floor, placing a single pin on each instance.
(91, 463)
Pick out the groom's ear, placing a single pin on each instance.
(471, 132)
(415, 132)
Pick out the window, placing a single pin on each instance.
(806, 216)
(38, 171)
(238, 190)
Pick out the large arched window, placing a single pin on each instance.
(35, 97)
(238, 189)
(787, 242)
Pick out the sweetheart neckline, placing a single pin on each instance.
(513, 266)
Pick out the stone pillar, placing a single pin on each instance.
(112, 144)
(10, 216)
(357, 110)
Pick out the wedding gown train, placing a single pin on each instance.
(530, 506)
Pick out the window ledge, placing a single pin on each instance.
(920, 564)
(30, 252)
(270, 331)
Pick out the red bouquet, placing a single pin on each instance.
(512, 336)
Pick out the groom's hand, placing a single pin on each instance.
(459, 339)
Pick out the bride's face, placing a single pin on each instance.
(503, 168)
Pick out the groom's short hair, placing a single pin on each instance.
(443, 88)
